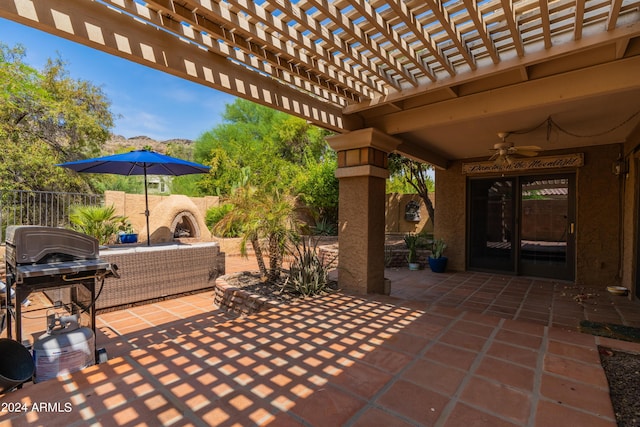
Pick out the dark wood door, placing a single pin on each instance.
(523, 225)
(547, 226)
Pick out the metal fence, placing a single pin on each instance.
(46, 208)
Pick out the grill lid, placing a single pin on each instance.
(29, 244)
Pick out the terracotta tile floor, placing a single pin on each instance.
(459, 349)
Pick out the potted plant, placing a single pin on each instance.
(438, 262)
(99, 222)
(411, 240)
(126, 233)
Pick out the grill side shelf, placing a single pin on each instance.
(58, 269)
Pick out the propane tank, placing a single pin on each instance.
(64, 348)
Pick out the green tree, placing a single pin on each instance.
(272, 146)
(318, 189)
(46, 117)
(416, 175)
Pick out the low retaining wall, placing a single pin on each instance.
(156, 272)
(238, 301)
(394, 255)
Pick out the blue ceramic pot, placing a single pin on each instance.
(128, 238)
(438, 265)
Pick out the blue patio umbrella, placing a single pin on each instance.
(139, 162)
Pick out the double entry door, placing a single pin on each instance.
(523, 225)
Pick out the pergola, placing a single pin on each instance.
(433, 80)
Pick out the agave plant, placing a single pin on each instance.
(308, 273)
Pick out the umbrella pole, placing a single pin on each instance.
(146, 206)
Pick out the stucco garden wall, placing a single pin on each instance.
(598, 216)
(396, 221)
(163, 211)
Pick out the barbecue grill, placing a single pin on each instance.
(62, 264)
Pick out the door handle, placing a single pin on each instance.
(572, 228)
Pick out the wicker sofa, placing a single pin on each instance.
(152, 273)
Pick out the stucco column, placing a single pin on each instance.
(362, 173)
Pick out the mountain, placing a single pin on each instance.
(117, 142)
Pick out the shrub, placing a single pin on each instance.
(99, 222)
(215, 214)
(325, 227)
(308, 273)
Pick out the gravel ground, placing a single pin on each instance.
(623, 374)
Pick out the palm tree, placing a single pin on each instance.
(100, 222)
(278, 225)
(262, 216)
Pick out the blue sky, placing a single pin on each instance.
(143, 101)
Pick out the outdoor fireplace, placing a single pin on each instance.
(185, 225)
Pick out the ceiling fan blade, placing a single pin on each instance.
(527, 153)
(529, 148)
(494, 156)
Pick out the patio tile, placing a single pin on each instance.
(481, 318)
(501, 312)
(506, 373)
(581, 353)
(592, 374)
(519, 339)
(498, 399)
(524, 327)
(405, 343)
(387, 360)
(523, 356)
(373, 360)
(465, 415)
(451, 356)
(463, 340)
(571, 337)
(360, 379)
(548, 414)
(412, 401)
(435, 376)
(327, 407)
(375, 417)
(577, 394)
(472, 328)
(627, 346)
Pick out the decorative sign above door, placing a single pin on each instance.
(522, 164)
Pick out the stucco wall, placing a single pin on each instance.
(395, 214)
(598, 216)
(132, 206)
(450, 217)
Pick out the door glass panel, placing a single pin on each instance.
(492, 224)
(544, 225)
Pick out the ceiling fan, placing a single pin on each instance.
(503, 151)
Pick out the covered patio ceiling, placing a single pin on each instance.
(442, 76)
